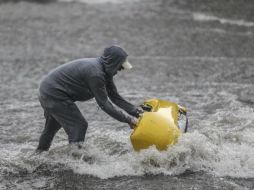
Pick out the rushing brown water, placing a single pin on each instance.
(196, 53)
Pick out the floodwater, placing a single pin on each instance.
(196, 53)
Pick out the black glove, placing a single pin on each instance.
(138, 111)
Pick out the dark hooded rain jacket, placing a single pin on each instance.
(88, 78)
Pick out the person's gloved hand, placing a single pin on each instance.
(138, 112)
(133, 123)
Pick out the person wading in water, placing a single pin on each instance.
(82, 80)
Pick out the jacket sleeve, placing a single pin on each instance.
(98, 88)
(119, 100)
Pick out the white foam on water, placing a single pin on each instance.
(204, 17)
(214, 152)
(195, 152)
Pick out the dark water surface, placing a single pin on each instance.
(196, 53)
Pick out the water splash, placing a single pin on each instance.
(214, 152)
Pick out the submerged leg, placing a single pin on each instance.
(51, 127)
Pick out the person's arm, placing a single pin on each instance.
(120, 101)
(98, 88)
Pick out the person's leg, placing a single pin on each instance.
(51, 127)
(70, 118)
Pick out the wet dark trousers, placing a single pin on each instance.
(61, 114)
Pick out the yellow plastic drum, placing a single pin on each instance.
(158, 125)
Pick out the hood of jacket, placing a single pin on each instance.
(112, 59)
